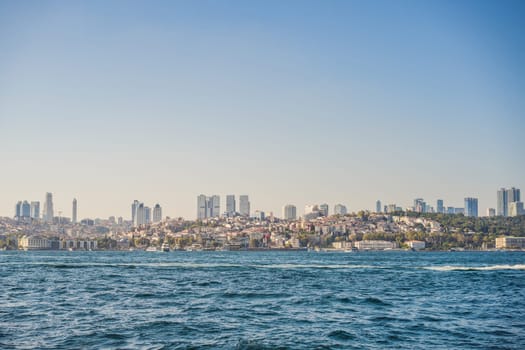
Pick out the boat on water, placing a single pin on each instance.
(165, 247)
(151, 249)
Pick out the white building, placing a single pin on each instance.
(375, 245)
(33, 243)
(417, 245)
(515, 208)
(510, 242)
(208, 207)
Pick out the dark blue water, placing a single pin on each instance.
(262, 300)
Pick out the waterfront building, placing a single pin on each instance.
(439, 206)
(48, 208)
(230, 205)
(491, 212)
(157, 213)
(35, 210)
(375, 245)
(74, 214)
(323, 209)
(510, 242)
(244, 205)
(289, 212)
(516, 208)
(340, 209)
(416, 245)
(471, 207)
(34, 243)
(378, 206)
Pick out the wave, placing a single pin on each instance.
(476, 268)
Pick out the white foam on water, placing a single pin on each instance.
(476, 268)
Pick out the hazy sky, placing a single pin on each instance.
(287, 101)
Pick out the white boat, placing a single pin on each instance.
(165, 247)
(151, 249)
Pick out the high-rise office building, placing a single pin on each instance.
(244, 206)
(35, 210)
(419, 205)
(516, 208)
(378, 206)
(134, 206)
(157, 213)
(208, 207)
(215, 206)
(471, 207)
(323, 208)
(139, 215)
(18, 210)
(491, 212)
(74, 213)
(230, 205)
(147, 215)
(505, 197)
(340, 209)
(48, 208)
(25, 210)
(289, 212)
(202, 212)
(439, 206)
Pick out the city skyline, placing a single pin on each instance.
(213, 206)
(289, 102)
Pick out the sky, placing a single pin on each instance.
(291, 102)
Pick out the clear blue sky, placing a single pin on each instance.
(288, 101)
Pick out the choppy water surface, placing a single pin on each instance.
(262, 300)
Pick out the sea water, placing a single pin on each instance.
(262, 300)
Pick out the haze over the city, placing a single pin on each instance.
(295, 102)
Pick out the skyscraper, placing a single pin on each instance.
(378, 206)
(491, 212)
(147, 215)
(244, 205)
(323, 208)
(340, 209)
(420, 205)
(48, 208)
(289, 212)
(18, 210)
(74, 214)
(439, 206)
(201, 207)
(471, 207)
(208, 207)
(230, 205)
(157, 213)
(134, 206)
(35, 210)
(215, 206)
(505, 197)
(25, 210)
(139, 215)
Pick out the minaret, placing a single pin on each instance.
(74, 216)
